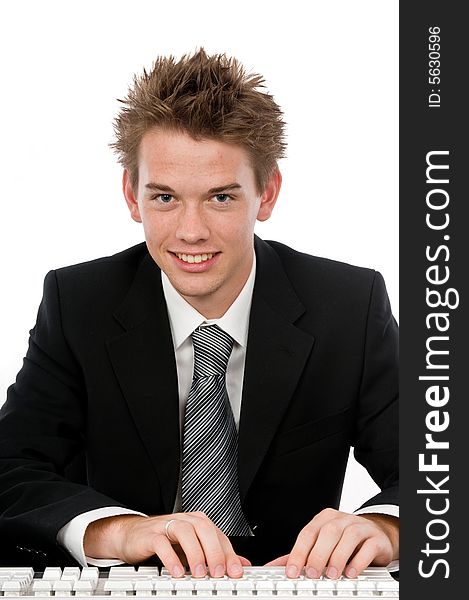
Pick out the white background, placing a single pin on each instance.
(331, 65)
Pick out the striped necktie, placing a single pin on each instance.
(210, 439)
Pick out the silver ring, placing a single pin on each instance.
(166, 530)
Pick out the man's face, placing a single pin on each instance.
(198, 203)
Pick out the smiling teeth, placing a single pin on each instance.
(194, 258)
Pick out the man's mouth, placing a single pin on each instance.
(195, 258)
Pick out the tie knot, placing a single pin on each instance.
(212, 349)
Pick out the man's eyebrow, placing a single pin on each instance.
(159, 186)
(224, 188)
(216, 190)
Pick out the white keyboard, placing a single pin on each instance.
(261, 583)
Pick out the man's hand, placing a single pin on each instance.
(340, 542)
(190, 539)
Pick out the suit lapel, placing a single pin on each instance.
(276, 355)
(144, 364)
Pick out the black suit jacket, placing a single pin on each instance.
(93, 421)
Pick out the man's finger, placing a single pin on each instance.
(327, 539)
(184, 534)
(209, 541)
(301, 550)
(369, 551)
(307, 539)
(234, 564)
(163, 548)
(352, 538)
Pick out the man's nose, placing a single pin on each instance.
(192, 227)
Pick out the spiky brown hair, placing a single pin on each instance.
(207, 97)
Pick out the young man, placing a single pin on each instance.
(194, 398)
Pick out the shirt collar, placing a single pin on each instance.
(184, 318)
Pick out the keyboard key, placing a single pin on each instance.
(118, 586)
(285, 587)
(222, 587)
(52, 573)
(163, 587)
(265, 587)
(62, 588)
(89, 574)
(305, 587)
(71, 574)
(346, 588)
(183, 588)
(389, 589)
(42, 587)
(204, 587)
(147, 572)
(244, 587)
(144, 587)
(325, 587)
(122, 573)
(84, 587)
(11, 588)
(366, 588)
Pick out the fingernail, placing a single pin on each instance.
(200, 571)
(332, 573)
(236, 570)
(312, 573)
(292, 571)
(219, 571)
(351, 572)
(178, 571)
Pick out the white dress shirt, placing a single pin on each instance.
(184, 319)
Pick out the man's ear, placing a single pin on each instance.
(269, 196)
(130, 197)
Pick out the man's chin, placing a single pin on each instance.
(193, 293)
(193, 289)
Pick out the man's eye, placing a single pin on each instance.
(222, 198)
(164, 198)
